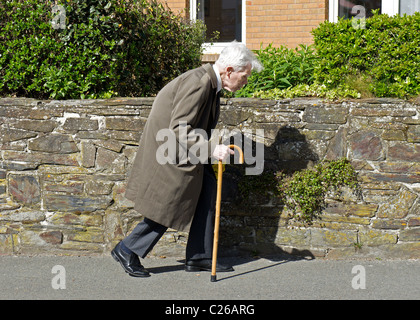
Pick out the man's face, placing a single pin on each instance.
(235, 80)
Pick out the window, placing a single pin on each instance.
(225, 16)
(409, 6)
(352, 8)
(363, 8)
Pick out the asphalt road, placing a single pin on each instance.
(97, 278)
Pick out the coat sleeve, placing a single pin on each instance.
(189, 105)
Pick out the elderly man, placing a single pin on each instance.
(181, 195)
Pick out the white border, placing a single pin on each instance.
(391, 7)
(217, 47)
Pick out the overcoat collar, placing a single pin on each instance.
(215, 109)
(209, 69)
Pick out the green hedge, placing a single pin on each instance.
(107, 48)
(133, 48)
(347, 59)
(382, 58)
(283, 68)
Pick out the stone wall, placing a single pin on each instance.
(64, 166)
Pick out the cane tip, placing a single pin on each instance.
(213, 278)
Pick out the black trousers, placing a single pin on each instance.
(200, 239)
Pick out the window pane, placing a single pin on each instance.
(345, 8)
(409, 6)
(224, 16)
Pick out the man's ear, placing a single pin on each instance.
(229, 70)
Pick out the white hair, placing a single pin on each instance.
(238, 56)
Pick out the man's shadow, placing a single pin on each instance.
(250, 209)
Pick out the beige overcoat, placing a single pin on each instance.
(168, 193)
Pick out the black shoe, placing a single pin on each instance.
(205, 265)
(130, 262)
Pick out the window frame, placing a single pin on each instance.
(217, 47)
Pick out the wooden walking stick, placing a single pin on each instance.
(217, 219)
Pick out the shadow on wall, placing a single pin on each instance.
(250, 212)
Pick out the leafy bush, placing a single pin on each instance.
(283, 68)
(157, 46)
(305, 191)
(107, 48)
(380, 59)
(386, 53)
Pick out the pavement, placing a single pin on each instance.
(279, 278)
